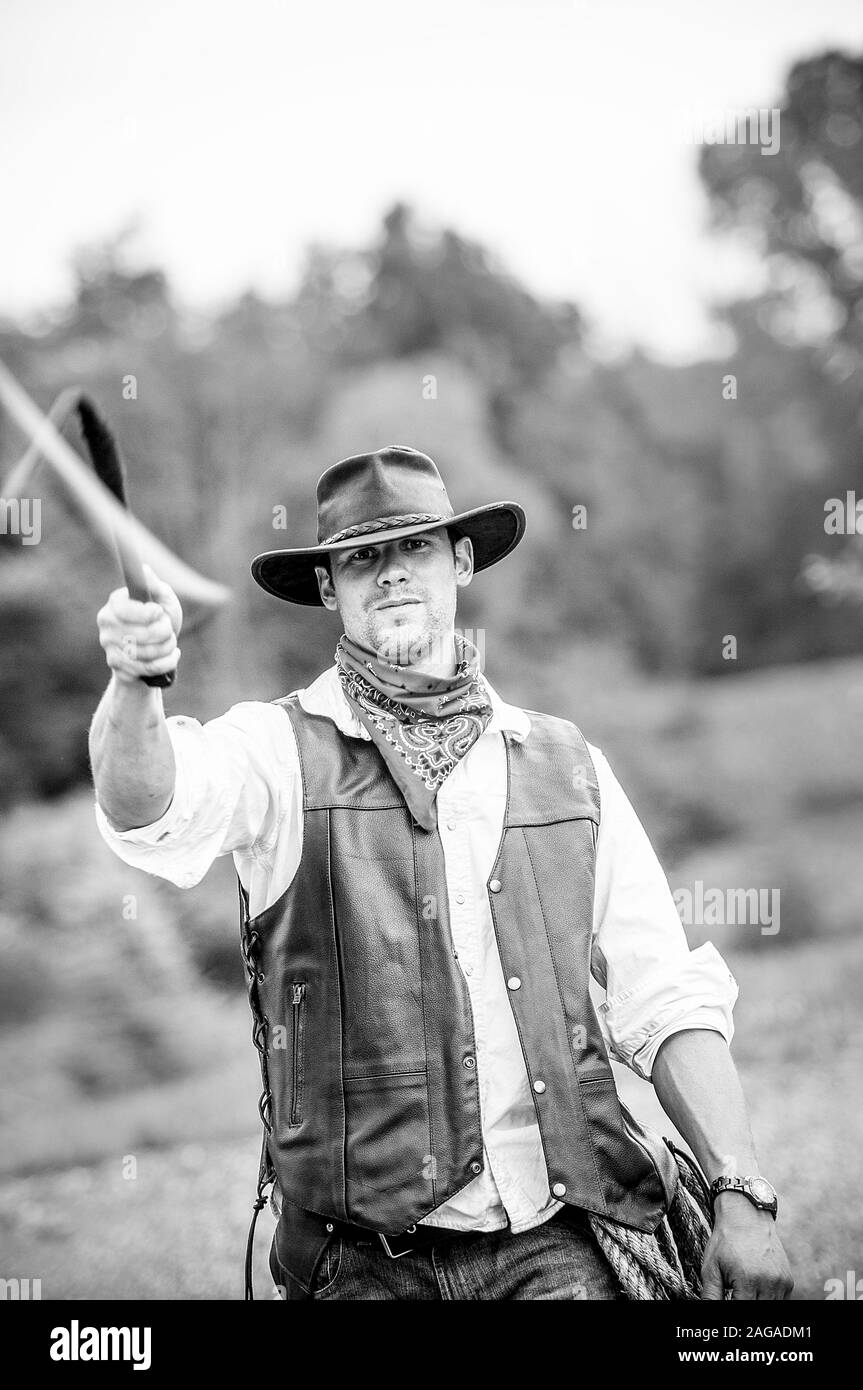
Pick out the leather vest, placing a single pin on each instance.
(363, 1017)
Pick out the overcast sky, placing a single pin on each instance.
(236, 132)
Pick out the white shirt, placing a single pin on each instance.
(239, 790)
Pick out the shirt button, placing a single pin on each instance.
(476, 1167)
(468, 970)
(469, 1062)
(514, 982)
(559, 1189)
(450, 825)
(459, 897)
(495, 885)
(539, 1086)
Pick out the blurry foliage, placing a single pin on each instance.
(802, 208)
(804, 204)
(96, 969)
(700, 510)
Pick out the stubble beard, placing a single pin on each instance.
(409, 641)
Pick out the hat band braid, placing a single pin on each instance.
(383, 523)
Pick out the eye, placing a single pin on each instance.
(419, 541)
(361, 555)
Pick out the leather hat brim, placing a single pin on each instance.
(495, 530)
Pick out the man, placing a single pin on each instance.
(429, 876)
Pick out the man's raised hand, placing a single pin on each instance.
(140, 639)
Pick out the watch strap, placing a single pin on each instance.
(744, 1185)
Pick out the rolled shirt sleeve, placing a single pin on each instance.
(233, 789)
(654, 984)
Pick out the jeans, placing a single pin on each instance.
(558, 1260)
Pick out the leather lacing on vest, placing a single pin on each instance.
(249, 940)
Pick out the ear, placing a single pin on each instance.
(326, 588)
(463, 556)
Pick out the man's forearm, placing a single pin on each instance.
(131, 755)
(697, 1084)
(699, 1089)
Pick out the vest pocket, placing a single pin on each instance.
(298, 1042)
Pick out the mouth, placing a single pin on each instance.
(398, 603)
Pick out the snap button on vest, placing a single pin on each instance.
(495, 885)
(559, 1189)
(469, 1062)
(539, 1086)
(476, 1167)
(514, 982)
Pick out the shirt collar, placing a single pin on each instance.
(325, 696)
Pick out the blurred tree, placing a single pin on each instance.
(420, 291)
(112, 296)
(803, 207)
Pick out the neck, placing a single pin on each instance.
(433, 657)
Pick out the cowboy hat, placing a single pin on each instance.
(393, 492)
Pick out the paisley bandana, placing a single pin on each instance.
(422, 724)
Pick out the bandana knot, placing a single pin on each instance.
(423, 725)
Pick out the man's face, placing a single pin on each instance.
(399, 598)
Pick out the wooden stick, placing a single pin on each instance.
(114, 525)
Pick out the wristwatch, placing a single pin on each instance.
(760, 1192)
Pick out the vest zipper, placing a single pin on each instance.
(298, 992)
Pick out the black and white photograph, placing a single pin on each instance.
(431, 697)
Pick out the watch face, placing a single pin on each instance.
(761, 1189)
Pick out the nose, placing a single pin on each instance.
(393, 569)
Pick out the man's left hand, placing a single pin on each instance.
(744, 1253)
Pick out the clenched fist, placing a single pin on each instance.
(140, 639)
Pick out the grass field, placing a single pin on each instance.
(177, 1229)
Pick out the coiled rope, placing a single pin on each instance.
(666, 1264)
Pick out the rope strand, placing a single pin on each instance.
(666, 1264)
